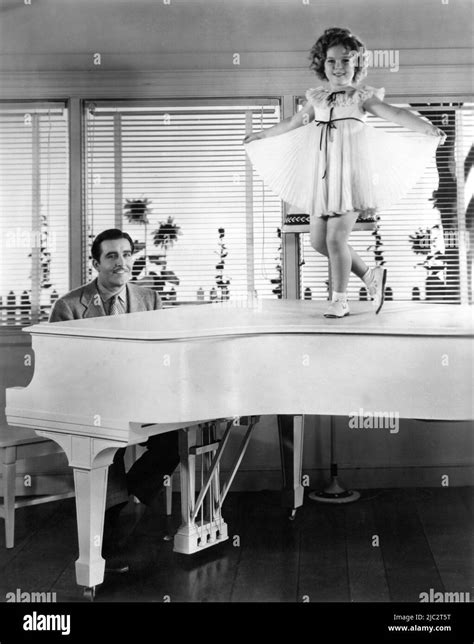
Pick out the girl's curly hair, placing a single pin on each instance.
(338, 36)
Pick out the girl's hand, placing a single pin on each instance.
(435, 131)
(253, 137)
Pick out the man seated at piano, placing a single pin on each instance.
(112, 293)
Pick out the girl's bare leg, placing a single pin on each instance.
(329, 237)
(318, 235)
(339, 229)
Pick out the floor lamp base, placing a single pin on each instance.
(334, 493)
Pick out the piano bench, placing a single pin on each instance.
(16, 444)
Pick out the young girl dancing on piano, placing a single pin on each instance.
(330, 164)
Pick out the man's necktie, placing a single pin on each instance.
(114, 309)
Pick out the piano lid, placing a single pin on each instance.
(270, 317)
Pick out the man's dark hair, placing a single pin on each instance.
(111, 233)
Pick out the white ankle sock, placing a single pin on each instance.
(339, 297)
(368, 276)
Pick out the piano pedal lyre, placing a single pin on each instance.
(203, 525)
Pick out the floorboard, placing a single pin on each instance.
(367, 579)
(323, 557)
(448, 528)
(43, 558)
(409, 564)
(269, 551)
(327, 554)
(28, 520)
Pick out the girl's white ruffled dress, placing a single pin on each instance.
(338, 163)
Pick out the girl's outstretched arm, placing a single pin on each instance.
(402, 116)
(303, 117)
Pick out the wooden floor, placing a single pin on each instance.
(326, 554)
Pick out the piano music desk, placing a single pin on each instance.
(98, 381)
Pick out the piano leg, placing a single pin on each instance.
(90, 459)
(290, 429)
(91, 487)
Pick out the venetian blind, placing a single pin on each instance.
(34, 210)
(176, 178)
(424, 240)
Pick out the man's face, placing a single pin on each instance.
(115, 265)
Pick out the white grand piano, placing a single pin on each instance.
(103, 383)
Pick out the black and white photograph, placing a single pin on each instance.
(236, 321)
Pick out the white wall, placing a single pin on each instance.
(193, 42)
(70, 27)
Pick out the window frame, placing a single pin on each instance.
(112, 106)
(40, 106)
